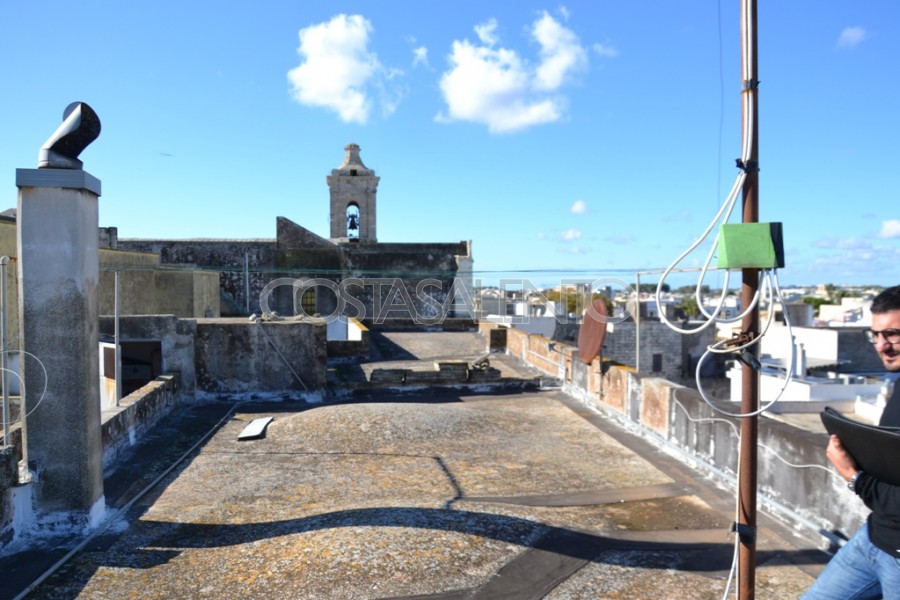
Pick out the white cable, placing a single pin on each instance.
(771, 450)
(723, 215)
(789, 371)
(22, 382)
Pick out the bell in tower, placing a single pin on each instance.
(353, 188)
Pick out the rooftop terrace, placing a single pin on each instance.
(512, 491)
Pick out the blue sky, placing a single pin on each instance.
(585, 137)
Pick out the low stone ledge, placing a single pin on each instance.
(137, 412)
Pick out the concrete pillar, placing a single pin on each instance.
(463, 287)
(58, 262)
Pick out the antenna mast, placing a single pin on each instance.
(747, 468)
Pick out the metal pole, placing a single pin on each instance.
(4, 260)
(118, 350)
(247, 281)
(637, 324)
(750, 324)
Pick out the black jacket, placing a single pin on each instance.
(882, 498)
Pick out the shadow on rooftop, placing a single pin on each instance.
(164, 541)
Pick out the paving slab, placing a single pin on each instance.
(520, 495)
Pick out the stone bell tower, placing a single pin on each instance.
(353, 190)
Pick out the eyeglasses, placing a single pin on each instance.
(891, 336)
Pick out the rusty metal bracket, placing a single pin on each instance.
(747, 533)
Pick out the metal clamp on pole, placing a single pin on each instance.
(747, 533)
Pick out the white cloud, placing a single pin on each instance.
(561, 53)
(420, 56)
(579, 207)
(890, 229)
(487, 32)
(495, 86)
(604, 50)
(848, 243)
(571, 234)
(337, 69)
(851, 36)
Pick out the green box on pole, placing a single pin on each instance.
(750, 246)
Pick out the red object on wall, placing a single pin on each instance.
(593, 330)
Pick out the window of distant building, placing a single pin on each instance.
(308, 302)
(657, 363)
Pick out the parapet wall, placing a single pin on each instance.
(237, 356)
(120, 429)
(136, 414)
(811, 496)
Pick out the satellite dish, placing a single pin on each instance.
(592, 332)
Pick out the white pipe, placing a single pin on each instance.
(4, 260)
(118, 351)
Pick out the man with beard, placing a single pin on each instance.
(868, 566)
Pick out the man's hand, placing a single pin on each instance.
(840, 458)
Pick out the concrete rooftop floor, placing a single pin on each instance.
(516, 494)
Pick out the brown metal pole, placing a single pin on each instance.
(750, 323)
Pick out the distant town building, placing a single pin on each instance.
(350, 274)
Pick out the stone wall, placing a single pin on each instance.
(136, 414)
(10, 455)
(237, 356)
(120, 429)
(175, 336)
(142, 291)
(677, 419)
(855, 352)
(228, 258)
(663, 351)
(390, 280)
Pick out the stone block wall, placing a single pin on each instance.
(676, 352)
(226, 257)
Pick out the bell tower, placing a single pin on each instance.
(353, 189)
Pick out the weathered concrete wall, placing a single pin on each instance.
(10, 455)
(176, 338)
(674, 352)
(8, 248)
(136, 414)
(291, 235)
(394, 280)
(813, 498)
(236, 356)
(856, 352)
(120, 428)
(495, 336)
(186, 294)
(58, 252)
(226, 257)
